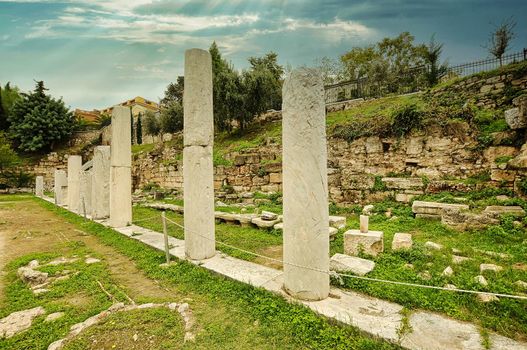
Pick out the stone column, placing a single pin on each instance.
(198, 135)
(39, 186)
(101, 183)
(85, 205)
(74, 173)
(305, 186)
(120, 171)
(60, 187)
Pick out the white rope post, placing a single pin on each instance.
(165, 234)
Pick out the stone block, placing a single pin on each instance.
(305, 185)
(197, 101)
(39, 186)
(74, 173)
(121, 148)
(403, 183)
(371, 242)
(498, 210)
(435, 208)
(514, 119)
(199, 202)
(275, 178)
(353, 264)
(502, 175)
(402, 241)
(337, 222)
(373, 144)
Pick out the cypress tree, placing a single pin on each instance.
(139, 130)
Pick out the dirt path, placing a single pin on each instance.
(26, 228)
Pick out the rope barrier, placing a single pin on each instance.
(333, 274)
(146, 219)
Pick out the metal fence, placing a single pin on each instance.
(412, 80)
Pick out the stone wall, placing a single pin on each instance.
(366, 169)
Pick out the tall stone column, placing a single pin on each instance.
(101, 183)
(39, 186)
(74, 189)
(85, 205)
(60, 187)
(198, 136)
(121, 168)
(305, 186)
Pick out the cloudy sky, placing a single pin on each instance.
(96, 53)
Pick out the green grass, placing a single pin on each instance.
(146, 148)
(248, 238)
(258, 319)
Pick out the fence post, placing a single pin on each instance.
(84, 207)
(165, 234)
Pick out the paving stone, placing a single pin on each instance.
(438, 332)
(19, 321)
(54, 316)
(481, 280)
(490, 267)
(487, 298)
(456, 259)
(521, 284)
(353, 264)
(434, 246)
(447, 272)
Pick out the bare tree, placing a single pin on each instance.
(501, 38)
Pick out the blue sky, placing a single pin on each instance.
(100, 52)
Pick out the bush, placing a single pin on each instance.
(406, 119)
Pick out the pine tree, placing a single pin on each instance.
(38, 121)
(139, 131)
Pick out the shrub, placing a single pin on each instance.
(406, 119)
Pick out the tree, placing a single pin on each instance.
(38, 121)
(171, 118)
(132, 131)
(174, 92)
(501, 38)
(435, 70)
(3, 114)
(332, 70)
(224, 80)
(152, 125)
(8, 97)
(8, 157)
(139, 130)
(103, 120)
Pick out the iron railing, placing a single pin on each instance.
(412, 80)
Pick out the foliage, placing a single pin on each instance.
(8, 157)
(406, 119)
(435, 70)
(38, 121)
(174, 92)
(103, 120)
(171, 118)
(386, 65)
(332, 70)
(8, 97)
(152, 124)
(139, 130)
(240, 97)
(500, 38)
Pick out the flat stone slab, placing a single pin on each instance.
(503, 210)
(432, 331)
(261, 223)
(164, 206)
(374, 316)
(435, 208)
(337, 222)
(353, 264)
(403, 183)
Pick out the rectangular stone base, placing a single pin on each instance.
(371, 242)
